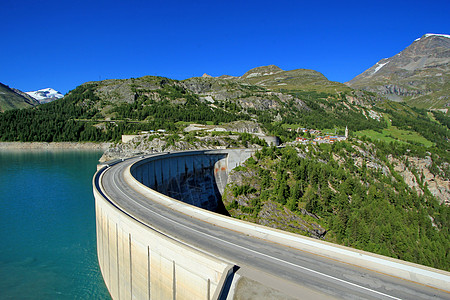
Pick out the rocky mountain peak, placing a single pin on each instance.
(430, 45)
(45, 95)
(419, 72)
(433, 35)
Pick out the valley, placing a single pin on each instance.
(355, 165)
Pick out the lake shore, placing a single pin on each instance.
(53, 146)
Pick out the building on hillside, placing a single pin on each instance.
(318, 139)
(301, 140)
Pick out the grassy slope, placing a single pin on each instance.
(392, 133)
(11, 100)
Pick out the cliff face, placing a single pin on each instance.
(416, 173)
(198, 138)
(419, 75)
(240, 92)
(293, 189)
(268, 213)
(419, 173)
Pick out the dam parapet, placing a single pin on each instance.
(194, 177)
(139, 261)
(152, 246)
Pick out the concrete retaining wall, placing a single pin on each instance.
(390, 266)
(189, 177)
(139, 262)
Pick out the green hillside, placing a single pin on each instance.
(352, 193)
(9, 99)
(103, 111)
(384, 189)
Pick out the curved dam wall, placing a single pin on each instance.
(194, 177)
(141, 262)
(137, 262)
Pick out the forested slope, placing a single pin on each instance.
(386, 189)
(349, 193)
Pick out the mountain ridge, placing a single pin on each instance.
(418, 75)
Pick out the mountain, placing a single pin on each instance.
(45, 95)
(385, 189)
(105, 110)
(13, 98)
(272, 98)
(270, 88)
(273, 77)
(418, 75)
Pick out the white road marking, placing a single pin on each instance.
(251, 250)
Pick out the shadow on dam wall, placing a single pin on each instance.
(197, 178)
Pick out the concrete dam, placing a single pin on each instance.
(161, 235)
(194, 179)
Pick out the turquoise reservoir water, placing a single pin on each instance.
(47, 226)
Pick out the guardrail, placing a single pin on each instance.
(394, 267)
(137, 260)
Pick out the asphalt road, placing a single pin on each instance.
(299, 269)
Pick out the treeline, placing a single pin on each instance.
(73, 118)
(168, 110)
(418, 121)
(442, 118)
(324, 112)
(360, 207)
(55, 121)
(68, 119)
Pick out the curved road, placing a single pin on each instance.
(301, 274)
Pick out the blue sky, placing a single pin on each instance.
(62, 44)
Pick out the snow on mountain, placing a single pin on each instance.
(45, 95)
(417, 75)
(379, 66)
(433, 34)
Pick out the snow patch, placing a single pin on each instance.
(45, 94)
(379, 66)
(433, 34)
(257, 74)
(253, 75)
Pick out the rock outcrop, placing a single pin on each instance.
(160, 142)
(417, 174)
(270, 214)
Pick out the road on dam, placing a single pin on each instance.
(293, 269)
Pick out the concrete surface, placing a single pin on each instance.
(270, 263)
(138, 262)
